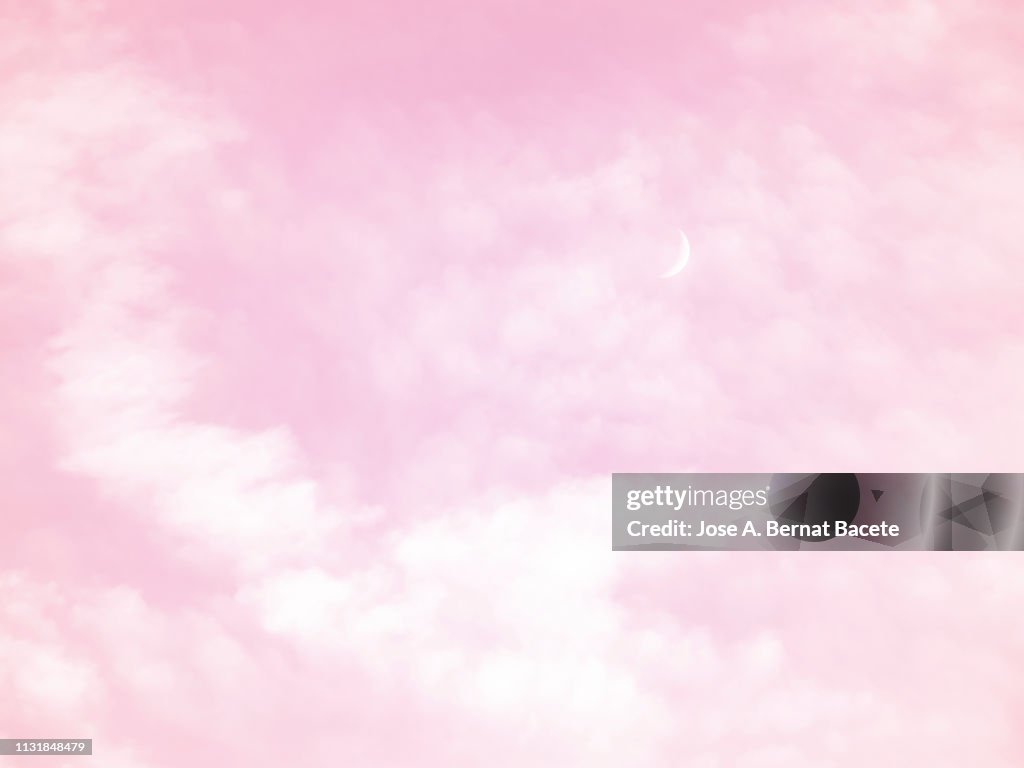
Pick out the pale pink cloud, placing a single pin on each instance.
(323, 328)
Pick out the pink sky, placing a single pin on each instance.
(323, 325)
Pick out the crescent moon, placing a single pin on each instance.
(684, 257)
